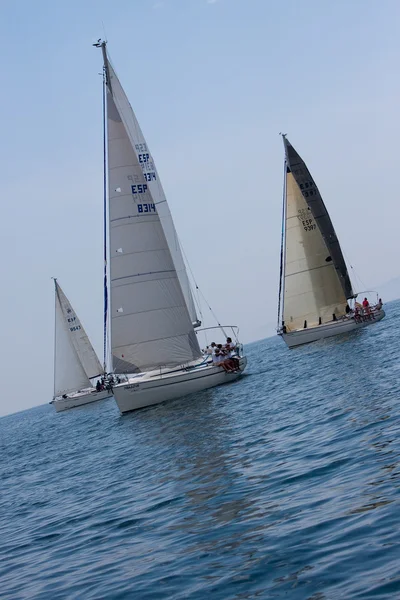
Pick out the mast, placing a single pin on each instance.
(281, 295)
(106, 81)
(105, 222)
(55, 335)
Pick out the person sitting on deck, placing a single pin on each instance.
(379, 304)
(98, 386)
(357, 313)
(231, 349)
(217, 357)
(220, 361)
(230, 344)
(229, 362)
(210, 351)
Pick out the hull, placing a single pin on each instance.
(79, 399)
(152, 388)
(312, 334)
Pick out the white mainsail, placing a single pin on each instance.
(152, 180)
(152, 308)
(312, 289)
(75, 361)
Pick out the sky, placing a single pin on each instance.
(212, 83)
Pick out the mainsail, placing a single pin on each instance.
(152, 309)
(316, 281)
(75, 361)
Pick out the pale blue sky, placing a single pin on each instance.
(212, 84)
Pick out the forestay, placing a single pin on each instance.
(314, 287)
(152, 308)
(75, 360)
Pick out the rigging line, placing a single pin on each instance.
(200, 292)
(213, 314)
(356, 276)
(197, 300)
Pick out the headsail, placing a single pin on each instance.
(152, 308)
(316, 281)
(75, 361)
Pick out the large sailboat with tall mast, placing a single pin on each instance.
(75, 361)
(152, 316)
(316, 298)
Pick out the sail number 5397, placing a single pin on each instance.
(308, 225)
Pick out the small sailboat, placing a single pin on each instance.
(316, 298)
(154, 347)
(75, 361)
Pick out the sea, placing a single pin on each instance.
(284, 484)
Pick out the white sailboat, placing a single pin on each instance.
(75, 361)
(154, 345)
(315, 286)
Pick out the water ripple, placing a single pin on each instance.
(284, 484)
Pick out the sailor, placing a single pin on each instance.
(357, 313)
(366, 309)
(98, 386)
(223, 361)
(230, 344)
(228, 363)
(379, 304)
(110, 383)
(216, 357)
(231, 349)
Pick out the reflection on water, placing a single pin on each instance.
(284, 484)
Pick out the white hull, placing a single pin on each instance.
(148, 389)
(312, 334)
(79, 399)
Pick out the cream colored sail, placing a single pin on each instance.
(313, 292)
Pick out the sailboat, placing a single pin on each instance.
(155, 351)
(316, 298)
(75, 361)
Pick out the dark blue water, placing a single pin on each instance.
(284, 484)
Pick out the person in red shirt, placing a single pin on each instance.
(367, 311)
